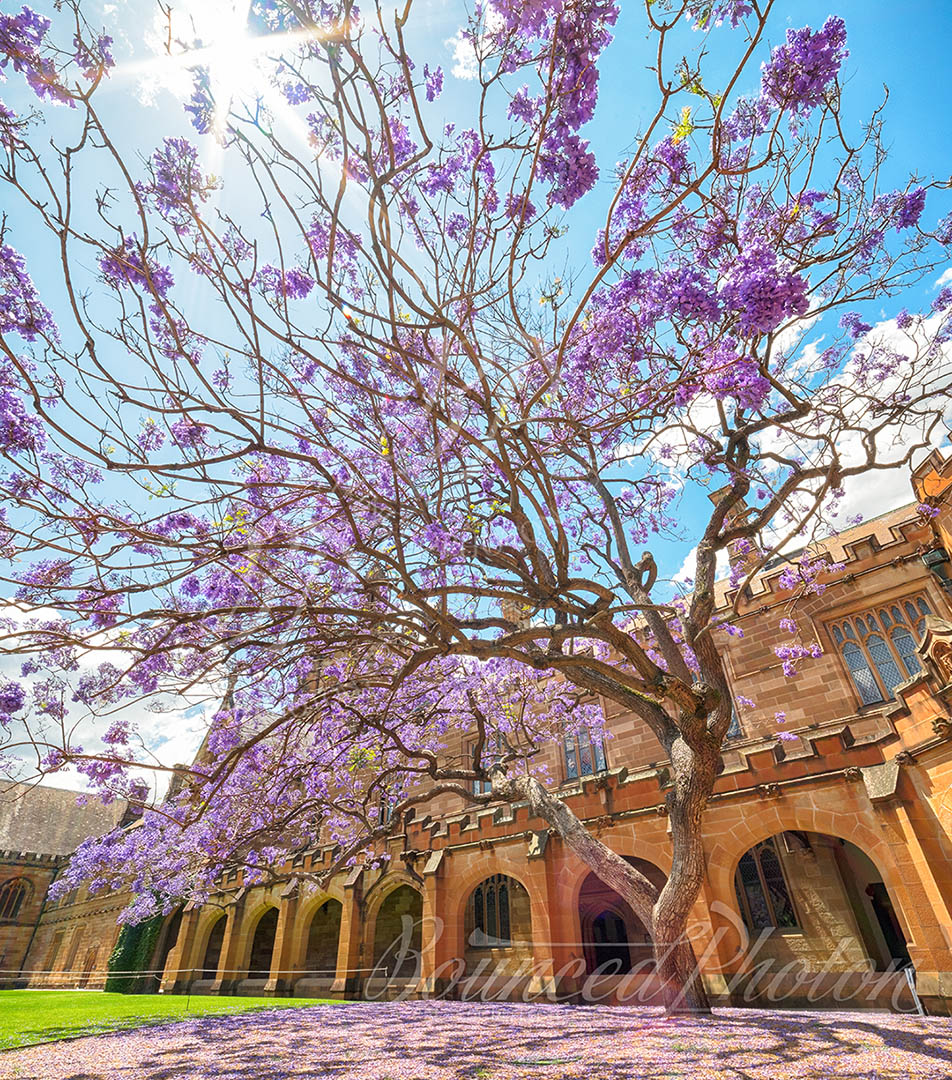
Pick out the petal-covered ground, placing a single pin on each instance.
(438, 1040)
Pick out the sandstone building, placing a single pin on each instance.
(829, 854)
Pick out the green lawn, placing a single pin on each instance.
(35, 1016)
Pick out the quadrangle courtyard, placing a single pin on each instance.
(432, 1040)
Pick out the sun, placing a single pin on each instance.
(222, 38)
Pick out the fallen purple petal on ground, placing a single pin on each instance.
(424, 1040)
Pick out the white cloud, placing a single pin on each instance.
(465, 61)
(944, 279)
(880, 490)
(685, 576)
(170, 726)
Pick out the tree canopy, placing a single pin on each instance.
(353, 434)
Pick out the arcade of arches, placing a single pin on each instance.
(805, 901)
(828, 855)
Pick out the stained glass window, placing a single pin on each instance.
(762, 891)
(878, 662)
(584, 756)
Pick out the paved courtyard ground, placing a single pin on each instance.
(443, 1040)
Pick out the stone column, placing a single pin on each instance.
(281, 979)
(349, 978)
(544, 904)
(181, 962)
(920, 897)
(228, 977)
(435, 942)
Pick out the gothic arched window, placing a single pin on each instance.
(880, 648)
(584, 756)
(12, 895)
(490, 913)
(762, 891)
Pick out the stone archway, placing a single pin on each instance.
(165, 944)
(212, 954)
(819, 922)
(323, 939)
(262, 945)
(398, 935)
(614, 940)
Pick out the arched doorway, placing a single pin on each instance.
(165, 945)
(262, 945)
(212, 957)
(398, 935)
(819, 902)
(614, 939)
(497, 926)
(610, 949)
(89, 966)
(323, 938)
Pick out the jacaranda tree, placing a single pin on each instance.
(322, 405)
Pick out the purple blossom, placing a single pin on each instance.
(707, 13)
(853, 324)
(201, 105)
(763, 293)
(294, 284)
(19, 430)
(434, 82)
(740, 378)
(519, 208)
(909, 208)
(523, 107)
(21, 37)
(792, 655)
(943, 300)
(151, 437)
(188, 433)
(799, 71)
(94, 58)
(20, 309)
(177, 187)
(126, 266)
(12, 697)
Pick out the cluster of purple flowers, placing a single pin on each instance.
(763, 293)
(178, 186)
(95, 58)
(434, 82)
(293, 284)
(21, 37)
(798, 73)
(126, 266)
(792, 654)
(188, 433)
(12, 699)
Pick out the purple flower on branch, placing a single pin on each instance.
(799, 71)
(126, 266)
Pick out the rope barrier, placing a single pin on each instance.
(178, 971)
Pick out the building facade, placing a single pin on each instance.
(829, 853)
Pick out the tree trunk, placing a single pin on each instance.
(694, 771)
(676, 966)
(665, 912)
